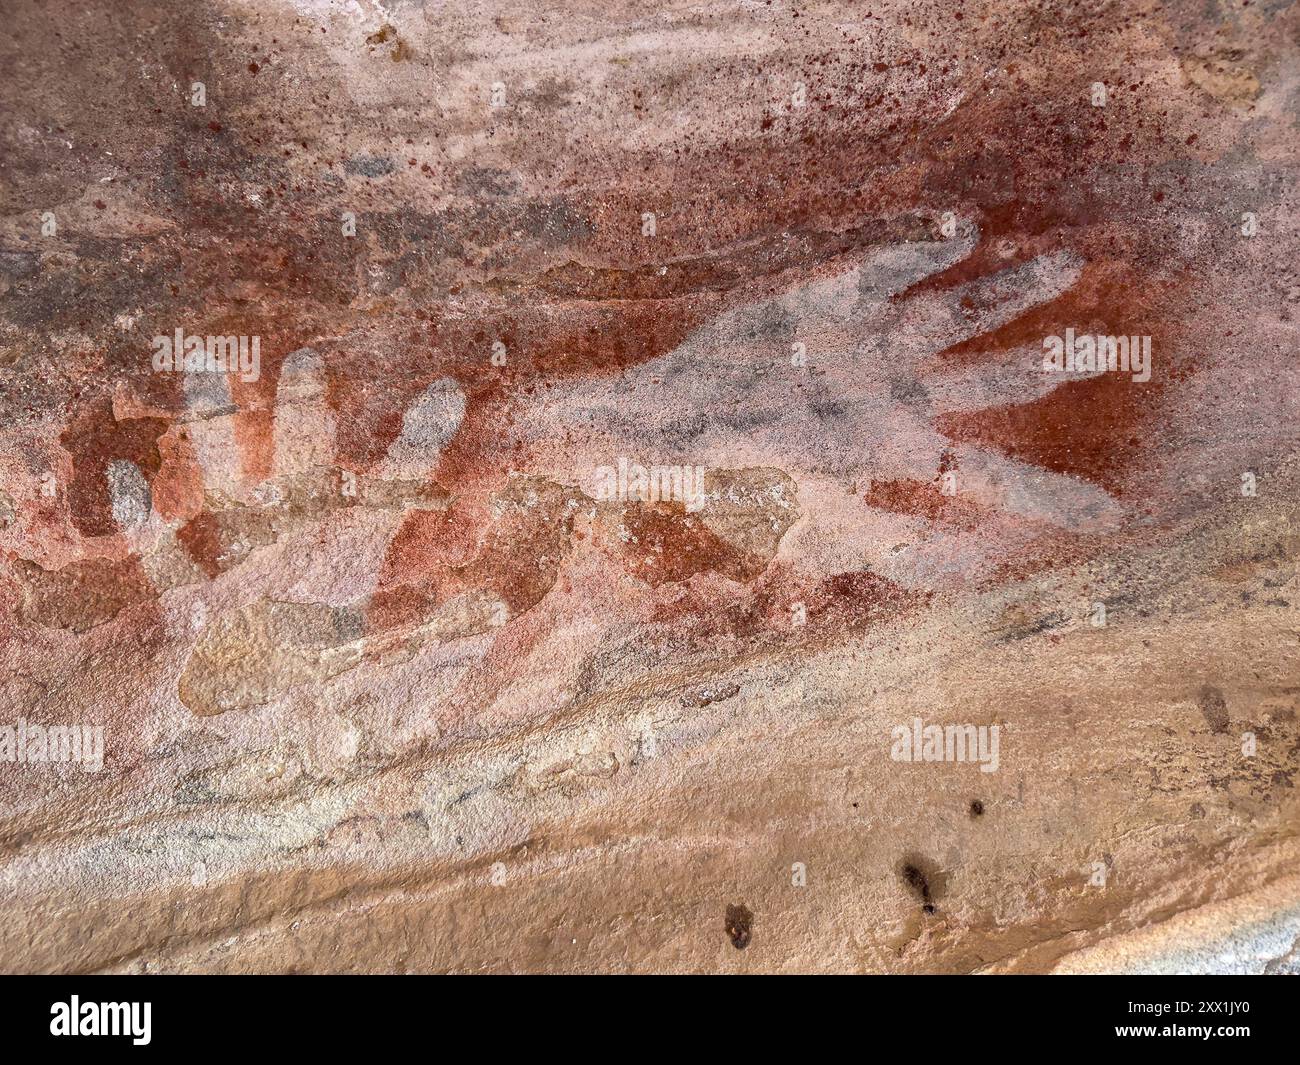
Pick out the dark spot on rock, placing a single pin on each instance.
(370, 166)
(1214, 708)
(19, 264)
(1021, 630)
(481, 181)
(14, 844)
(923, 880)
(976, 808)
(740, 923)
(908, 391)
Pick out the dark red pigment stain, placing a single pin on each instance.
(1109, 298)
(1082, 428)
(708, 611)
(437, 555)
(202, 540)
(785, 203)
(857, 599)
(664, 543)
(739, 926)
(907, 496)
(1039, 554)
(579, 339)
(96, 439)
(638, 329)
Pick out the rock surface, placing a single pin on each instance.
(633, 435)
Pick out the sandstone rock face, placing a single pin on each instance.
(587, 488)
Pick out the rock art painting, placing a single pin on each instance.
(618, 487)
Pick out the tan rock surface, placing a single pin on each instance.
(391, 680)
